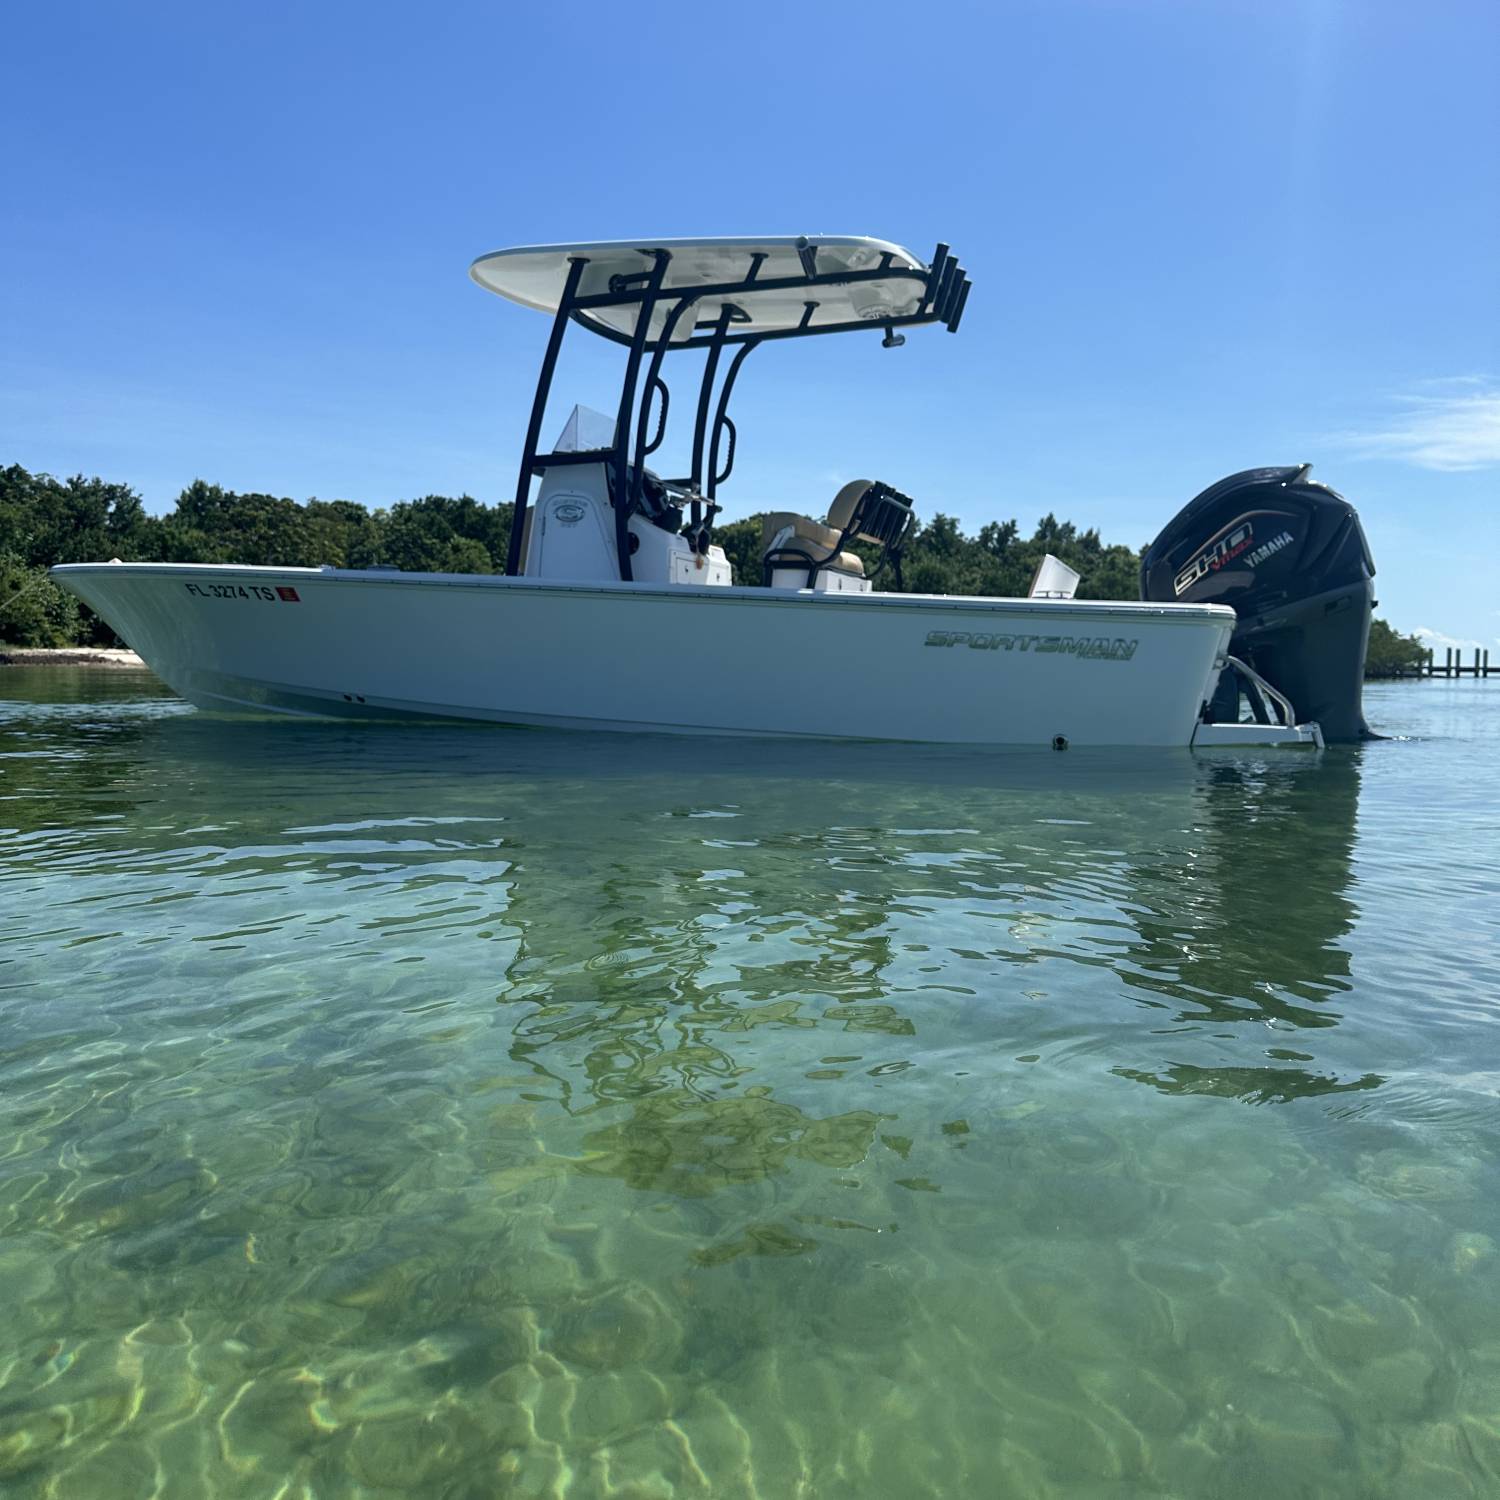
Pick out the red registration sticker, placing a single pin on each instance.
(287, 596)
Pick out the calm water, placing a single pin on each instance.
(420, 1111)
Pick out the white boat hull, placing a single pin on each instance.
(666, 657)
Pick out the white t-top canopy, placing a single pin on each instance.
(535, 276)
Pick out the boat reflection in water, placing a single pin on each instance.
(1227, 946)
(781, 920)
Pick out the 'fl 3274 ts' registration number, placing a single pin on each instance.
(277, 594)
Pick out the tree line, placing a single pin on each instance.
(45, 521)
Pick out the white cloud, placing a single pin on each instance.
(1450, 425)
(1440, 642)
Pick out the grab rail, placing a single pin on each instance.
(1265, 690)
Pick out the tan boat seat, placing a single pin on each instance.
(802, 527)
(793, 540)
(873, 512)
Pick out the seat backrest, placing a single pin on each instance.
(846, 504)
(873, 512)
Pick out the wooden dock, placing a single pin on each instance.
(1452, 666)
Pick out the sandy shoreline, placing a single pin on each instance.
(68, 656)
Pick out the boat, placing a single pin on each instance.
(618, 611)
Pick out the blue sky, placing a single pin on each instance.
(1203, 237)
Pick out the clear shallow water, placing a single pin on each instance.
(450, 1112)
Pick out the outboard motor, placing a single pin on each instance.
(1290, 557)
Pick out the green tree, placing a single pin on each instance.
(943, 560)
(741, 541)
(34, 611)
(437, 534)
(343, 533)
(1391, 652)
(44, 521)
(211, 524)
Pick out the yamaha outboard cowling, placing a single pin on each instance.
(1291, 558)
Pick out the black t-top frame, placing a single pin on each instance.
(945, 292)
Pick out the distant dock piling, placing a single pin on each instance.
(1453, 665)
